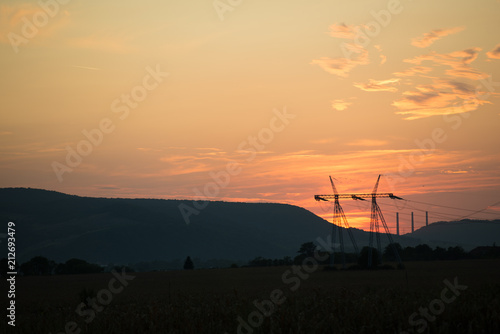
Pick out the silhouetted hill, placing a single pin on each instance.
(107, 230)
(104, 230)
(468, 233)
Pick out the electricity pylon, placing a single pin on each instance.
(375, 216)
(339, 219)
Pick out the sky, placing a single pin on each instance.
(256, 101)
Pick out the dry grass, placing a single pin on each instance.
(210, 301)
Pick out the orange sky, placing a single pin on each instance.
(163, 99)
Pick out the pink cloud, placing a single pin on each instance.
(430, 37)
(340, 105)
(11, 21)
(443, 97)
(378, 85)
(495, 53)
(458, 61)
(412, 71)
(341, 66)
(343, 31)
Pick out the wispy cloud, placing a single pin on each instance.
(454, 172)
(430, 37)
(368, 143)
(343, 31)
(495, 53)
(459, 61)
(11, 21)
(340, 104)
(467, 55)
(341, 66)
(323, 141)
(354, 53)
(383, 58)
(378, 85)
(443, 97)
(413, 71)
(114, 43)
(10, 18)
(86, 67)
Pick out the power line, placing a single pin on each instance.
(479, 211)
(450, 207)
(432, 214)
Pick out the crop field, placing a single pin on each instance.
(427, 297)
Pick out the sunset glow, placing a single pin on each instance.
(257, 103)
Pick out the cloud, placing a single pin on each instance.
(443, 97)
(454, 172)
(340, 104)
(412, 71)
(323, 141)
(383, 58)
(467, 55)
(343, 31)
(107, 187)
(495, 53)
(453, 59)
(466, 106)
(108, 43)
(12, 17)
(86, 67)
(421, 99)
(430, 37)
(341, 66)
(458, 61)
(468, 73)
(354, 53)
(378, 86)
(368, 142)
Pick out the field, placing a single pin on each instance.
(435, 297)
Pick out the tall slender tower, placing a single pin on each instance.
(397, 223)
(412, 225)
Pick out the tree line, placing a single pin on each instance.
(422, 252)
(39, 265)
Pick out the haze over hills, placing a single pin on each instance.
(108, 230)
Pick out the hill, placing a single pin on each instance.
(104, 230)
(121, 231)
(468, 233)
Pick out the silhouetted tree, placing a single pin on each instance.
(455, 253)
(38, 265)
(439, 253)
(389, 251)
(127, 269)
(423, 252)
(363, 257)
(188, 264)
(287, 260)
(78, 266)
(307, 249)
(409, 253)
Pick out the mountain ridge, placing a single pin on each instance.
(123, 230)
